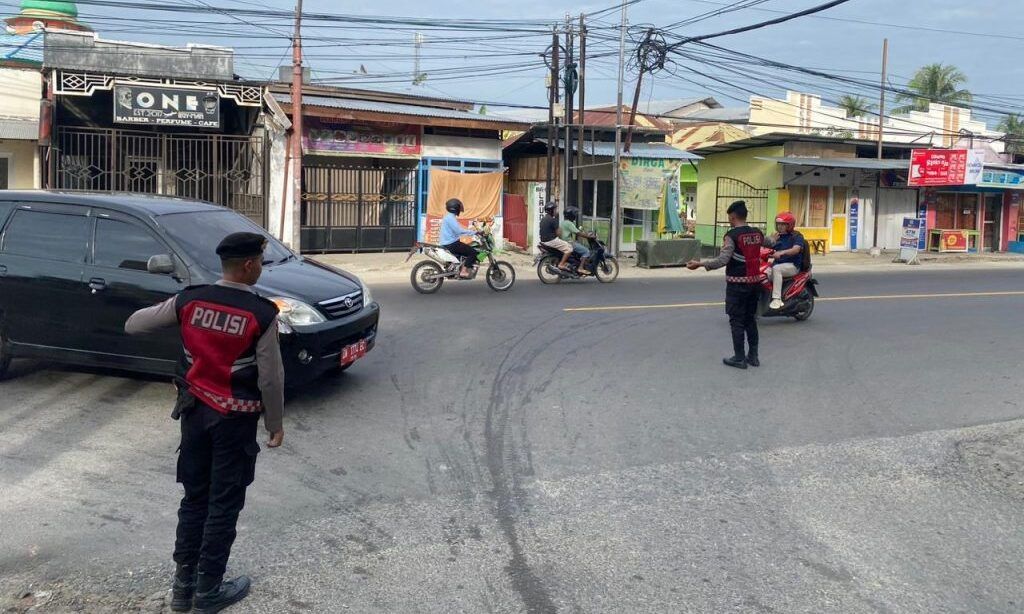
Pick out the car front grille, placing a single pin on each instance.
(342, 306)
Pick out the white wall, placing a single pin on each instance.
(21, 92)
(435, 146)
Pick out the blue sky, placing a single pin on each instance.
(842, 47)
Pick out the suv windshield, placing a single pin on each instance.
(199, 232)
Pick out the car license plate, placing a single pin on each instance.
(353, 352)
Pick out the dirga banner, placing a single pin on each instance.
(642, 182)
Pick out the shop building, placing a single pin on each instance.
(367, 158)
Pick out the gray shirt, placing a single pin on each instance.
(268, 352)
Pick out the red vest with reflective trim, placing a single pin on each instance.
(220, 328)
(745, 264)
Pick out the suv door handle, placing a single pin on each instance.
(97, 284)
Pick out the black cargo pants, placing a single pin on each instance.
(741, 306)
(216, 463)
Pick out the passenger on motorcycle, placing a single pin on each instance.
(452, 230)
(572, 233)
(789, 248)
(549, 234)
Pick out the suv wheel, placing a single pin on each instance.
(5, 354)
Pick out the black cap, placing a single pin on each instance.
(241, 245)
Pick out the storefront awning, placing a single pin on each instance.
(652, 151)
(866, 164)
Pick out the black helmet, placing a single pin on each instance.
(550, 208)
(572, 214)
(454, 205)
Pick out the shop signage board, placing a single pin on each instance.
(854, 222)
(341, 139)
(953, 241)
(642, 182)
(1002, 178)
(910, 239)
(158, 105)
(944, 167)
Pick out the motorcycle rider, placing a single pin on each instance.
(549, 234)
(572, 233)
(789, 248)
(452, 230)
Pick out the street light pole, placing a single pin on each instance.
(614, 230)
(296, 113)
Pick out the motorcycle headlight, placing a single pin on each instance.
(296, 313)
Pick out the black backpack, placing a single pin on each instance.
(806, 253)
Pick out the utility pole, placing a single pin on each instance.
(417, 43)
(614, 230)
(642, 63)
(569, 81)
(881, 133)
(583, 118)
(297, 111)
(553, 100)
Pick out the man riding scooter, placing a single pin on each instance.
(549, 231)
(789, 246)
(573, 233)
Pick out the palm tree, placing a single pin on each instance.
(1013, 126)
(940, 83)
(855, 106)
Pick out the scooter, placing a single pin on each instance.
(798, 293)
(600, 265)
(428, 276)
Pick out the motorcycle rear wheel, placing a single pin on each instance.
(607, 271)
(544, 274)
(806, 313)
(426, 277)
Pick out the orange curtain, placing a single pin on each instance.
(479, 192)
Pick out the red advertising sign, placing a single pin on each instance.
(390, 140)
(930, 167)
(953, 241)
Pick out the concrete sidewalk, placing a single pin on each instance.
(393, 266)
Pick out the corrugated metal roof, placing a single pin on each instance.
(869, 164)
(654, 151)
(352, 104)
(19, 129)
(729, 114)
(22, 47)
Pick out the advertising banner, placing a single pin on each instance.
(953, 241)
(159, 105)
(935, 167)
(324, 137)
(642, 182)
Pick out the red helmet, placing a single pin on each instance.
(786, 218)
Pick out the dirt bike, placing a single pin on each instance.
(600, 265)
(428, 275)
(798, 292)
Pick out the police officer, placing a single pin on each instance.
(230, 372)
(741, 257)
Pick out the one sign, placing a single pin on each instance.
(953, 241)
(158, 105)
(642, 182)
(911, 232)
(854, 222)
(931, 167)
(1002, 178)
(381, 140)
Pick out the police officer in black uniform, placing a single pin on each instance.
(230, 373)
(741, 257)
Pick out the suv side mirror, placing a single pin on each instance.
(161, 264)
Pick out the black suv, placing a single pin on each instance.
(74, 266)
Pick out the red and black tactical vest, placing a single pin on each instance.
(745, 265)
(220, 328)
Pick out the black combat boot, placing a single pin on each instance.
(183, 589)
(735, 361)
(213, 595)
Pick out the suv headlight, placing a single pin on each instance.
(367, 295)
(296, 313)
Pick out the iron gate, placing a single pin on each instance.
(351, 209)
(223, 169)
(729, 190)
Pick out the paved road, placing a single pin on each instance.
(497, 453)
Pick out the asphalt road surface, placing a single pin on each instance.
(497, 453)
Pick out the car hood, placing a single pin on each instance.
(306, 280)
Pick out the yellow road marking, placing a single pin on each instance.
(876, 297)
